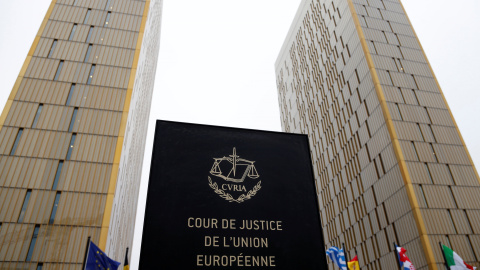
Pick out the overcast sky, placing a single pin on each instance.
(216, 62)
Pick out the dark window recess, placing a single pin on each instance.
(70, 94)
(72, 122)
(90, 75)
(87, 15)
(108, 18)
(73, 31)
(70, 146)
(87, 55)
(37, 115)
(90, 31)
(54, 44)
(57, 175)
(54, 208)
(32, 243)
(17, 140)
(39, 266)
(59, 69)
(24, 206)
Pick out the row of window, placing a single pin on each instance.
(108, 6)
(55, 204)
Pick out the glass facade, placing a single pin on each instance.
(389, 161)
(82, 90)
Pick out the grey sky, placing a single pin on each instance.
(216, 63)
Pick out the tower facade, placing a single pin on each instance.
(72, 133)
(390, 164)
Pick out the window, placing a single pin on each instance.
(72, 122)
(24, 206)
(17, 140)
(57, 175)
(398, 111)
(55, 206)
(73, 31)
(39, 266)
(87, 15)
(433, 152)
(59, 69)
(32, 243)
(428, 172)
(108, 18)
(108, 5)
(415, 150)
(50, 53)
(90, 76)
(89, 34)
(70, 146)
(70, 93)
(37, 115)
(89, 50)
(75, 2)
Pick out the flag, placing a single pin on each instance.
(403, 260)
(98, 260)
(338, 257)
(353, 264)
(125, 264)
(454, 261)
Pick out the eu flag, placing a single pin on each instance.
(98, 260)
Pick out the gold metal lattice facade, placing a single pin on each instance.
(72, 133)
(389, 161)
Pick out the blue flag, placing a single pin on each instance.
(338, 257)
(98, 260)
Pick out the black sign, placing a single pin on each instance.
(226, 198)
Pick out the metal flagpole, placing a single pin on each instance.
(443, 253)
(86, 252)
(397, 255)
(345, 254)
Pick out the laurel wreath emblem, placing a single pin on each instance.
(229, 197)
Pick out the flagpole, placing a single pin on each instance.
(397, 255)
(443, 253)
(86, 252)
(345, 253)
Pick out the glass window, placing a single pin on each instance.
(59, 69)
(108, 18)
(109, 6)
(39, 266)
(87, 15)
(73, 31)
(89, 34)
(70, 146)
(32, 243)
(17, 140)
(90, 76)
(70, 93)
(428, 173)
(55, 206)
(89, 50)
(57, 174)
(50, 53)
(37, 115)
(24, 207)
(433, 152)
(72, 122)
(415, 150)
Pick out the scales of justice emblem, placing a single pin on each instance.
(234, 175)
